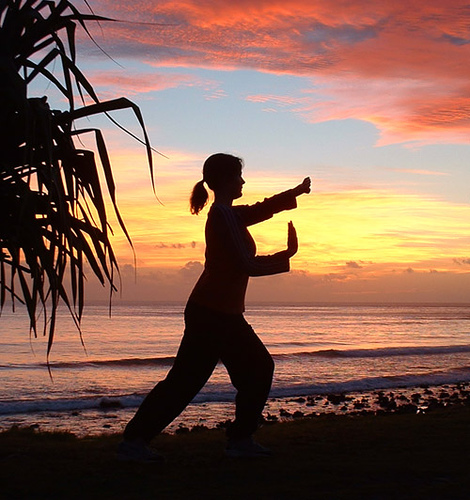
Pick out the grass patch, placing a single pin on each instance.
(331, 457)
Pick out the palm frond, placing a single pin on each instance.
(54, 218)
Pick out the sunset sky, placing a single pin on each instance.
(370, 98)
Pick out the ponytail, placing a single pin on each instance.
(199, 197)
(217, 170)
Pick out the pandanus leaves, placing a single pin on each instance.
(53, 219)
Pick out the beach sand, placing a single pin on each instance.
(378, 451)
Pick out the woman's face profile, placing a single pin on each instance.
(235, 185)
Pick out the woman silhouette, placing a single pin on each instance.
(215, 328)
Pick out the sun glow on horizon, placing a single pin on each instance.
(375, 228)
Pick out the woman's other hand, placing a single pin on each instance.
(292, 241)
(303, 187)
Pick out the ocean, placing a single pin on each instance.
(319, 350)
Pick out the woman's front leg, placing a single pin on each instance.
(192, 368)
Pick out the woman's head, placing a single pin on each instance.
(218, 170)
(220, 167)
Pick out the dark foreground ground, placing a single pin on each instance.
(399, 456)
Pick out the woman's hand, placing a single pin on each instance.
(303, 187)
(292, 241)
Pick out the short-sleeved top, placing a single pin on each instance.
(230, 257)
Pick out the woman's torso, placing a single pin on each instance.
(222, 285)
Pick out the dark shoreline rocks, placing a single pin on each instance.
(399, 400)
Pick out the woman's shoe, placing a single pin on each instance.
(138, 451)
(246, 448)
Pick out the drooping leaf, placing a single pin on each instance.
(54, 226)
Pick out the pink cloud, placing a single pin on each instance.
(402, 65)
(133, 83)
(419, 172)
(123, 82)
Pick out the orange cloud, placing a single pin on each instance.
(400, 65)
(396, 39)
(404, 110)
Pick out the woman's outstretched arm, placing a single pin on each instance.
(263, 210)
